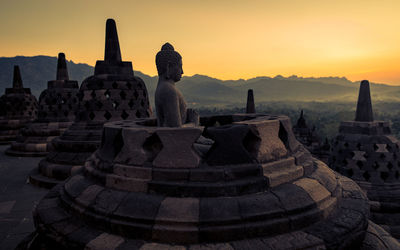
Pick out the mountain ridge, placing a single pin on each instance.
(203, 90)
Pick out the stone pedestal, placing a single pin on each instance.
(113, 93)
(57, 106)
(19, 107)
(148, 188)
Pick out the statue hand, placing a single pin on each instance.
(192, 116)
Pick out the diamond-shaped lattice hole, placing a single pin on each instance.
(123, 95)
(107, 115)
(366, 175)
(129, 85)
(69, 94)
(142, 103)
(382, 156)
(375, 165)
(344, 162)
(352, 154)
(358, 146)
(124, 115)
(59, 106)
(99, 104)
(115, 104)
(107, 94)
(100, 84)
(131, 103)
(394, 156)
(135, 94)
(87, 105)
(93, 94)
(138, 115)
(389, 148)
(384, 176)
(346, 145)
(375, 147)
(397, 175)
(350, 172)
(92, 115)
(66, 113)
(115, 85)
(360, 164)
(389, 165)
(152, 146)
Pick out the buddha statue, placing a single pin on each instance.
(171, 107)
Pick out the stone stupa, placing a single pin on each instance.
(113, 93)
(250, 105)
(366, 151)
(19, 107)
(311, 140)
(257, 187)
(57, 106)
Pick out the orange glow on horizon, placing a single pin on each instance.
(225, 39)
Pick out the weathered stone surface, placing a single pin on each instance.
(228, 147)
(105, 241)
(266, 146)
(177, 150)
(113, 93)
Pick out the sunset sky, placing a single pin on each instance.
(226, 39)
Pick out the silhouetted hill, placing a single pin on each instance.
(200, 90)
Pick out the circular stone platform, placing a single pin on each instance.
(256, 187)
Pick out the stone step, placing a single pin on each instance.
(282, 171)
(207, 189)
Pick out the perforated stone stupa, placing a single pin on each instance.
(366, 151)
(147, 187)
(311, 140)
(19, 107)
(57, 106)
(112, 93)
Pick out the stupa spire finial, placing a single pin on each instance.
(250, 107)
(17, 80)
(364, 104)
(62, 71)
(112, 51)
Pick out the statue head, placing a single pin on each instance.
(169, 63)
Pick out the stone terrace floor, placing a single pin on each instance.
(17, 198)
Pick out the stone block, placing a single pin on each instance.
(177, 150)
(266, 145)
(182, 210)
(260, 206)
(105, 241)
(138, 172)
(228, 147)
(293, 198)
(126, 183)
(132, 152)
(89, 195)
(316, 191)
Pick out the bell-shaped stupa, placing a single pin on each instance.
(252, 186)
(19, 107)
(366, 151)
(310, 139)
(113, 93)
(57, 106)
